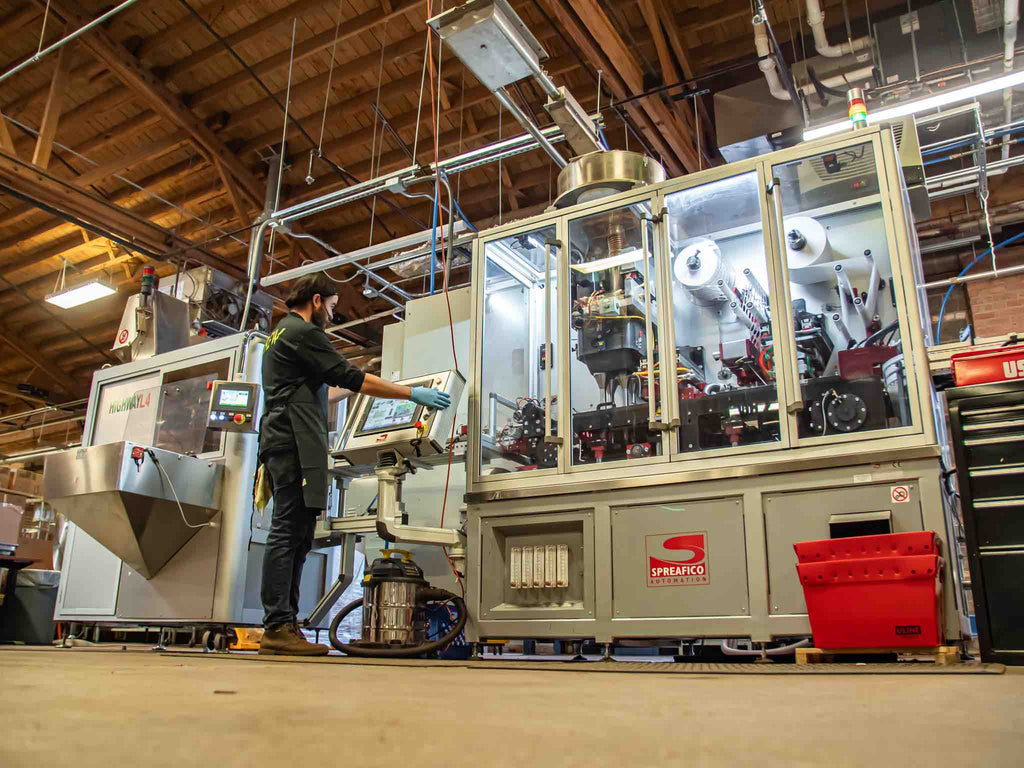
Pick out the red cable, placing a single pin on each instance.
(451, 323)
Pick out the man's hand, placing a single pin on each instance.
(432, 398)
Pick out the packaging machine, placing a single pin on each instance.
(672, 384)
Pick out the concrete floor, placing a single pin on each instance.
(111, 708)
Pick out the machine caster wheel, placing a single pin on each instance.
(96, 634)
(193, 638)
(220, 642)
(207, 640)
(166, 637)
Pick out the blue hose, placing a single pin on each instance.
(964, 271)
(600, 135)
(465, 219)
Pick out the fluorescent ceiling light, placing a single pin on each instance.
(921, 105)
(629, 257)
(80, 294)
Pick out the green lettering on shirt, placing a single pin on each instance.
(274, 337)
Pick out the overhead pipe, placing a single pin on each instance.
(769, 67)
(766, 61)
(816, 20)
(1011, 15)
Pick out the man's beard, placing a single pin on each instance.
(320, 317)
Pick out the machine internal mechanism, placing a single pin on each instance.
(610, 267)
(398, 606)
(522, 438)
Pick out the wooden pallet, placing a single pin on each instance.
(944, 654)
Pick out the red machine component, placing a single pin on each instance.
(878, 602)
(638, 450)
(864, 362)
(859, 547)
(988, 365)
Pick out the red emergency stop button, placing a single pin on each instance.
(239, 418)
(418, 425)
(209, 386)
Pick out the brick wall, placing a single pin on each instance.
(997, 305)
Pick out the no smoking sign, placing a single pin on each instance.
(900, 494)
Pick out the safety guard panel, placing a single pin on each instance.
(537, 567)
(829, 513)
(680, 560)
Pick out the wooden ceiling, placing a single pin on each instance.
(156, 128)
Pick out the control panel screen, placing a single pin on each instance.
(233, 398)
(389, 414)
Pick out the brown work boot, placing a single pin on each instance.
(285, 640)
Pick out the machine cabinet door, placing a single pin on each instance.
(518, 380)
(845, 321)
(614, 332)
(723, 320)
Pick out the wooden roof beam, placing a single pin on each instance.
(139, 79)
(51, 113)
(44, 364)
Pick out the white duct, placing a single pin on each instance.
(767, 62)
(816, 20)
(1011, 15)
(771, 75)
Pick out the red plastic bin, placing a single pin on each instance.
(857, 547)
(879, 602)
(982, 366)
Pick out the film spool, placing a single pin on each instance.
(700, 268)
(815, 247)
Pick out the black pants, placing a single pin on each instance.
(288, 543)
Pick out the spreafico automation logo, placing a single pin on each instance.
(677, 559)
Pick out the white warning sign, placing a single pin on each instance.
(900, 494)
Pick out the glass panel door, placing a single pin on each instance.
(721, 313)
(613, 336)
(515, 380)
(846, 329)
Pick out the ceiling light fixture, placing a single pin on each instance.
(921, 105)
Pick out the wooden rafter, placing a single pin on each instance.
(162, 100)
(47, 366)
(233, 195)
(51, 114)
(6, 143)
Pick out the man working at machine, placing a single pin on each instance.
(299, 365)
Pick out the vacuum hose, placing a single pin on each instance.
(404, 652)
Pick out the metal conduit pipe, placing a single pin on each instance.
(524, 120)
(816, 21)
(66, 39)
(396, 180)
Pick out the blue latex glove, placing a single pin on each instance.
(432, 398)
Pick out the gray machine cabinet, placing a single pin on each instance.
(806, 515)
(499, 600)
(679, 559)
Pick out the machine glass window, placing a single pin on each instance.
(848, 337)
(612, 278)
(181, 425)
(514, 368)
(725, 374)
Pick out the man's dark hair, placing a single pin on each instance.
(307, 287)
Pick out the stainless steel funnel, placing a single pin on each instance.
(129, 505)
